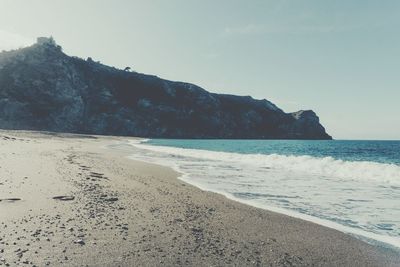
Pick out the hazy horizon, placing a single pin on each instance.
(338, 59)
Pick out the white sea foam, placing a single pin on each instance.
(360, 198)
(325, 167)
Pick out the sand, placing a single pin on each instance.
(68, 200)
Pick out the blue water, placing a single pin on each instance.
(352, 186)
(375, 151)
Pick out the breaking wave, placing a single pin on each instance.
(323, 166)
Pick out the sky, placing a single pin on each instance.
(338, 58)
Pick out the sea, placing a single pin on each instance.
(351, 186)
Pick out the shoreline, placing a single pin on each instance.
(380, 241)
(383, 242)
(128, 212)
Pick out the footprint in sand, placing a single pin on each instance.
(98, 175)
(64, 198)
(10, 199)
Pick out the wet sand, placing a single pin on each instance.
(67, 200)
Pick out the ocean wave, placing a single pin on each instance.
(325, 167)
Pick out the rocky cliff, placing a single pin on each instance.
(41, 88)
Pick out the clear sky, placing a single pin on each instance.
(339, 58)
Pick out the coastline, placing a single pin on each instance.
(127, 212)
(192, 177)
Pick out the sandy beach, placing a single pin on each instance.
(68, 200)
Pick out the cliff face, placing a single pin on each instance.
(41, 88)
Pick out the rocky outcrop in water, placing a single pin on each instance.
(41, 88)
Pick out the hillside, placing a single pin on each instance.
(41, 88)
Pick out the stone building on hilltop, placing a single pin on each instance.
(46, 41)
